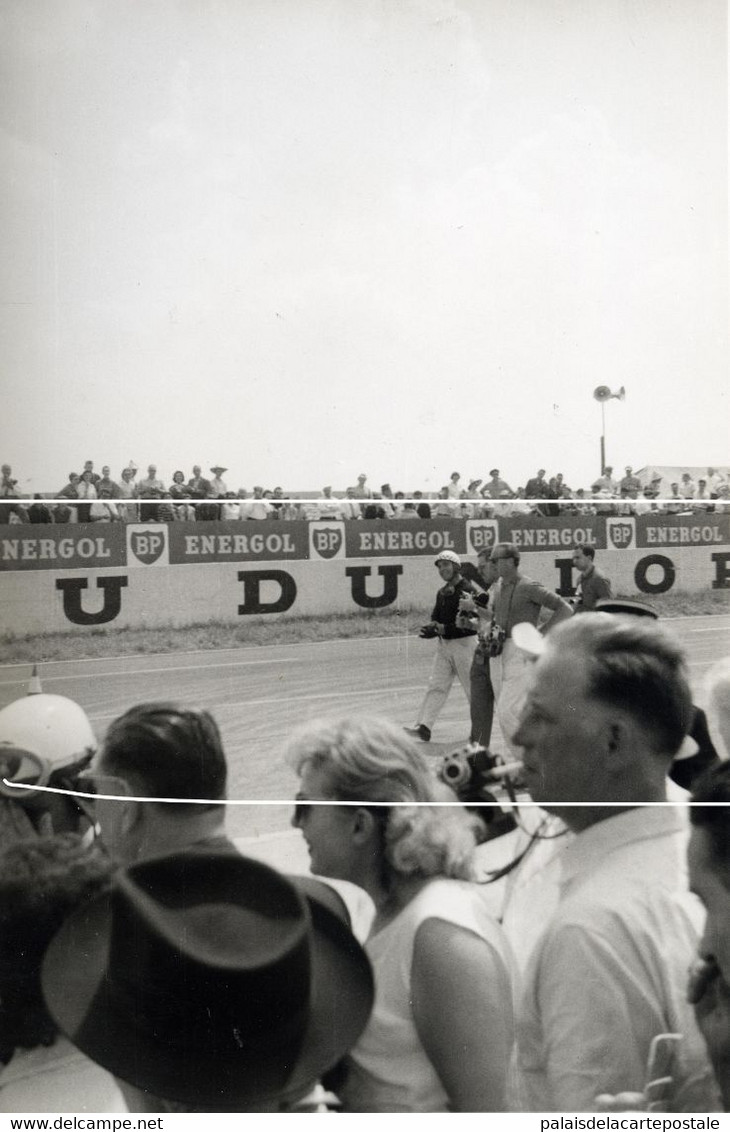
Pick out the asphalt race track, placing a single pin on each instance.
(259, 694)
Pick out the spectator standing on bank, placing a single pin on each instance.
(593, 585)
(86, 490)
(149, 490)
(361, 490)
(107, 483)
(218, 488)
(715, 481)
(329, 506)
(39, 512)
(497, 488)
(180, 495)
(453, 488)
(128, 508)
(257, 508)
(104, 509)
(605, 482)
(66, 512)
(89, 467)
(630, 485)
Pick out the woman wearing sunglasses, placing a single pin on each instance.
(441, 1031)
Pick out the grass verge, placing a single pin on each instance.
(109, 641)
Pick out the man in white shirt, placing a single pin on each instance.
(608, 707)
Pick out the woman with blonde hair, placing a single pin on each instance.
(441, 1032)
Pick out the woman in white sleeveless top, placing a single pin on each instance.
(441, 1032)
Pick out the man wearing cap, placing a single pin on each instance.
(608, 707)
(454, 645)
(515, 599)
(592, 584)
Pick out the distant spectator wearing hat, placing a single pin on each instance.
(593, 585)
(497, 488)
(454, 645)
(209, 984)
(218, 488)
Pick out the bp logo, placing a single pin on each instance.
(481, 535)
(147, 544)
(327, 539)
(621, 533)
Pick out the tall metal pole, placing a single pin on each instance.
(603, 437)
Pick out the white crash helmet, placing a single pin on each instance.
(39, 736)
(447, 556)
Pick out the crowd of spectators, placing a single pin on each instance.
(90, 497)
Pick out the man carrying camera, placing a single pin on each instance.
(455, 644)
(515, 599)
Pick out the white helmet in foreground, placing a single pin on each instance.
(41, 735)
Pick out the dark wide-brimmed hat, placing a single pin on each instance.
(209, 979)
(626, 606)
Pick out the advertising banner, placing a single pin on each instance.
(67, 546)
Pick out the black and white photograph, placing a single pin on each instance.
(364, 560)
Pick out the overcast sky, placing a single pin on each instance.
(309, 238)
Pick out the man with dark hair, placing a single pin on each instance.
(709, 874)
(41, 882)
(515, 599)
(160, 751)
(608, 707)
(592, 584)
